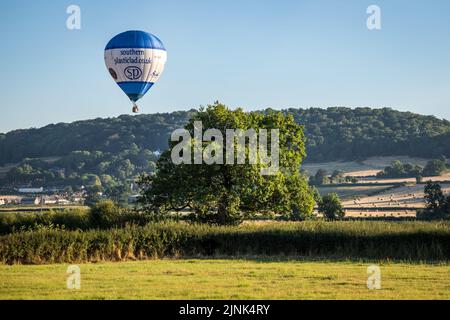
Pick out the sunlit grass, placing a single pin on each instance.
(226, 279)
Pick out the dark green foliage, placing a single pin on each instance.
(119, 194)
(98, 171)
(331, 208)
(71, 219)
(352, 180)
(434, 196)
(438, 205)
(316, 194)
(338, 176)
(112, 135)
(103, 215)
(406, 170)
(399, 169)
(337, 240)
(435, 167)
(320, 178)
(352, 134)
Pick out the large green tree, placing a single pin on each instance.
(226, 193)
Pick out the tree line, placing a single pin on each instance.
(399, 169)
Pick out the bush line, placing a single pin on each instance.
(407, 241)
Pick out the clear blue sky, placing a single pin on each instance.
(249, 53)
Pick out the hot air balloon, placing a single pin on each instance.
(135, 60)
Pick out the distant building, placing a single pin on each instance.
(10, 199)
(31, 190)
(30, 201)
(133, 199)
(49, 200)
(63, 202)
(77, 199)
(2, 202)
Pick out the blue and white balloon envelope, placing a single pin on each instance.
(135, 60)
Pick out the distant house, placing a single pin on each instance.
(10, 199)
(133, 199)
(2, 202)
(77, 199)
(30, 201)
(49, 200)
(63, 202)
(31, 190)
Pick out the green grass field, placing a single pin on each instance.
(226, 279)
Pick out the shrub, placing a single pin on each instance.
(71, 219)
(104, 214)
(435, 167)
(438, 205)
(331, 208)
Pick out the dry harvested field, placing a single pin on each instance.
(378, 201)
(368, 167)
(398, 202)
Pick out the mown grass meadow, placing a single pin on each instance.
(226, 279)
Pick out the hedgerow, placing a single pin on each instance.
(419, 241)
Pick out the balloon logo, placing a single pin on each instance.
(133, 73)
(135, 60)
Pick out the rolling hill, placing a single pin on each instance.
(333, 134)
(119, 148)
